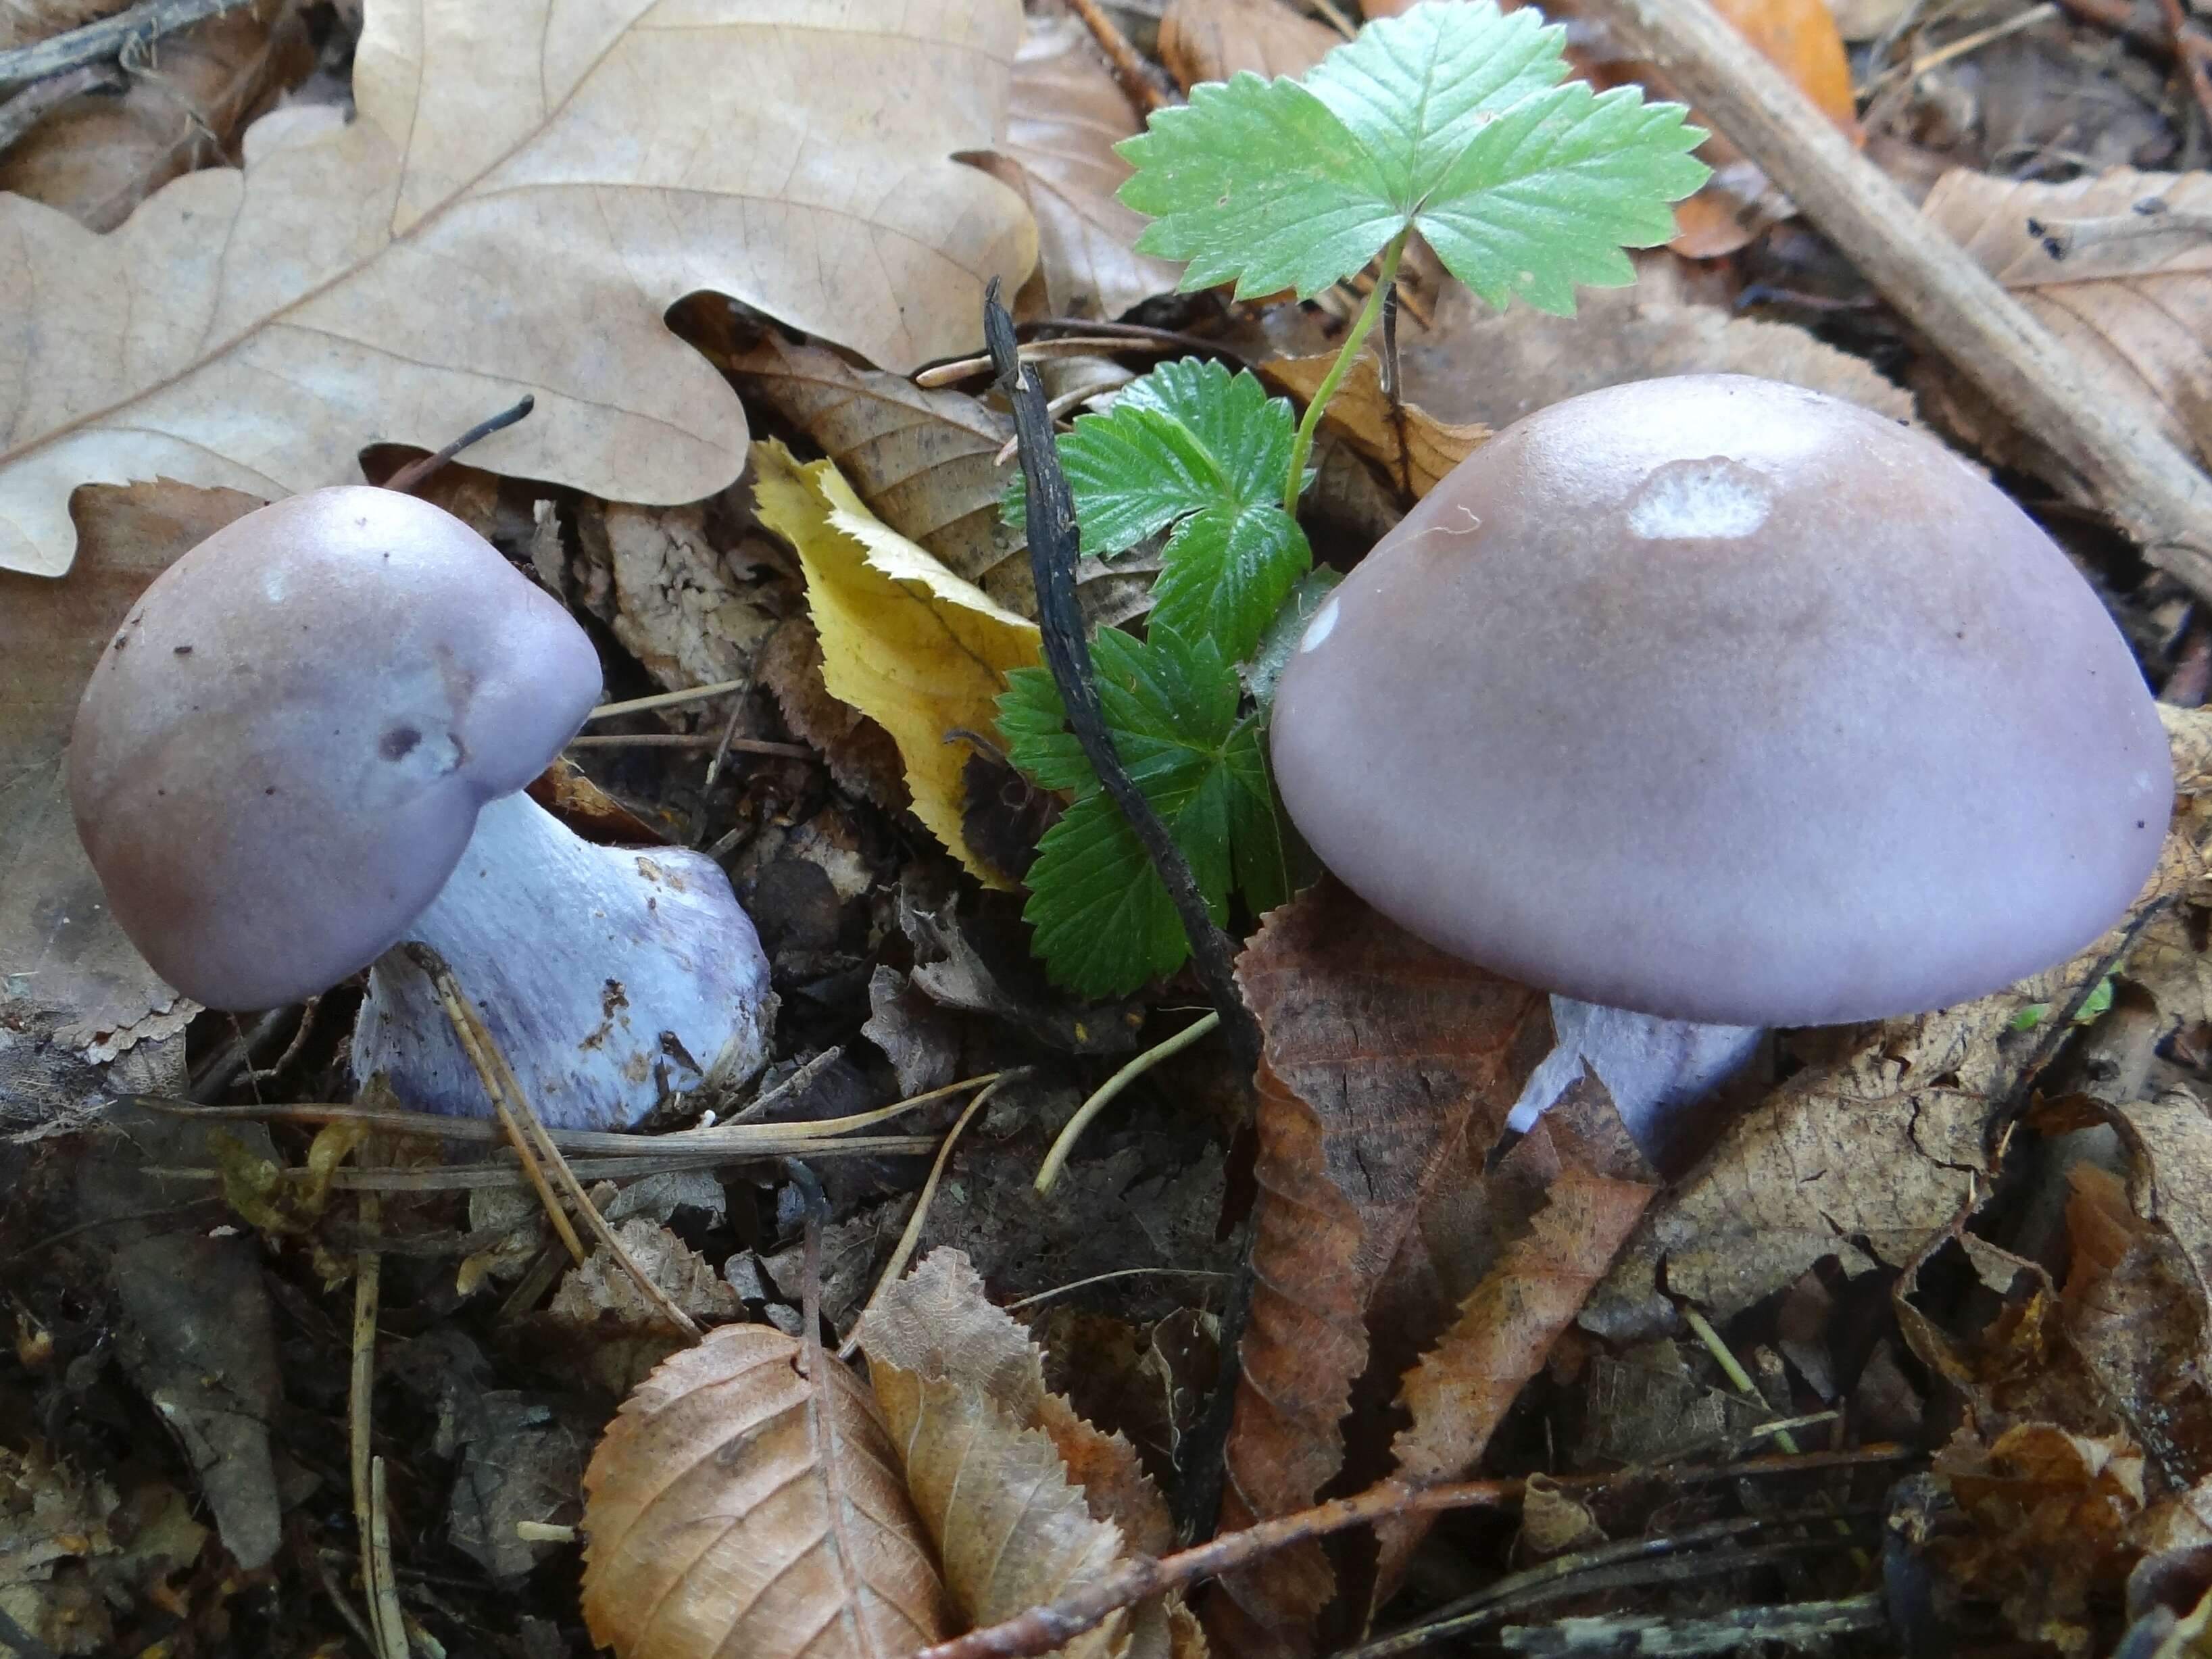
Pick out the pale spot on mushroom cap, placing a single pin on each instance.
(1319, 629)
(1711, 498)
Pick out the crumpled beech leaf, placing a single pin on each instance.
(523, 189)
(738, 1506)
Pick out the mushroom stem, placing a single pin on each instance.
(612, 977)
(1660, 1072)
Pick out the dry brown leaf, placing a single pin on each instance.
(1414, 447)
(96, 157)
(1064, 116)
(1481, 365)
(2136, 310)
(1384, 1058)
(2134, 1311)
(1027, 1502)
(691, 612)
(735, 1505)
(1213, 40)
(2170, 1141)
(1587, 1192)
(61, 958)
(478, 230)
(860, 753)
(937, 1322)
(2051, 1512)
(924, 462)
(609, 1331)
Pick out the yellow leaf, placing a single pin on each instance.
(910, 645)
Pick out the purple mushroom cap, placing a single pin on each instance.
(279, 760)
(1724, 701)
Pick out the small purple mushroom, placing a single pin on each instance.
(1723, 700)
(307, 744)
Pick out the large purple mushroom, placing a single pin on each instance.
(1722, 700)
(307, 743)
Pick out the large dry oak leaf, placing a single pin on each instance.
(525, 189)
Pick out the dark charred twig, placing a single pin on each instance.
(129, 32)
(1811, 1626)
(811, 1357)
(2149, 217)
(29, 107)
(415, 471)
(2059, 1027)
(1052, 538)
(1619, 1564)
(17, 1640)
(1041, 1630)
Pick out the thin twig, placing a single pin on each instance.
(103, 42)
(1137, 1577)
(386, 1625)
(1129, 67)
(470, 1032)
(692, 740)
(468, 1177)
(301, 1033)
(1063, 1143)
(2139, 478)
(416, 472)
(666, 700)
(1166, 337)
(1582, 1571)
(1052, 538)
(1073, 1285)
(751, 1139)
(910, 1235)
(29, 107)
(1074, 345)
(384, 1614)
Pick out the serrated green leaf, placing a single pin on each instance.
(1547, 196)
(1445, 120)
(1226, 573)
(1103, 922)
(1258, 183)
(1192, 447)
(1415, 89)
(1257, 838)
(1033, 725)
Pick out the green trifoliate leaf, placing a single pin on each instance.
(1104, 923)
(1193, 448)
(1446, 119)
